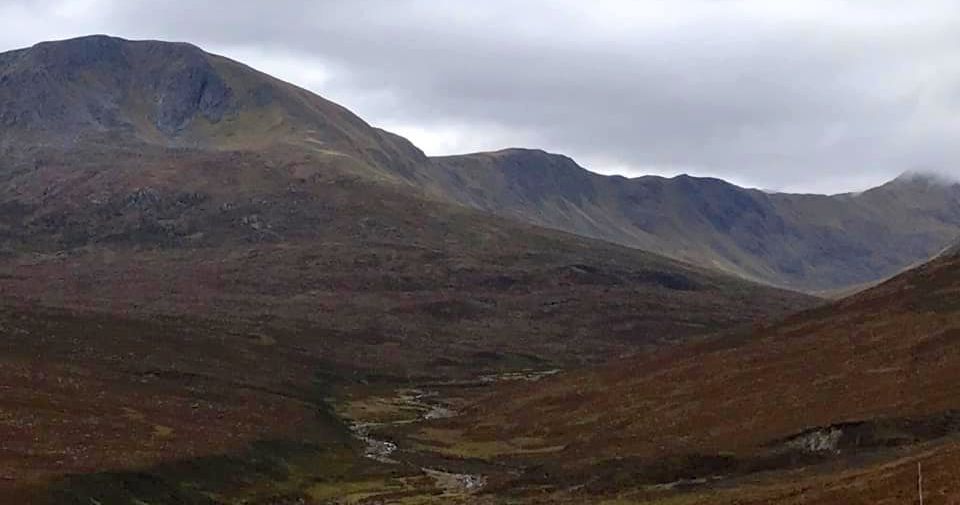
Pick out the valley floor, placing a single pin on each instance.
(96, 409)
(405, 443)
(413, 427)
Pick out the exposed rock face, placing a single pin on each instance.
(194, 88)
(111, 91)
(103, 84)
(818, 441)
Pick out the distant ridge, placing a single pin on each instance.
(800, 241)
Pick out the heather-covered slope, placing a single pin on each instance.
(834, 405)
(805, 242)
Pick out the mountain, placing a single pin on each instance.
(195, 259)
(207, 273)
(146, 178)
(803, 242)
(838, 404)
(83, 98)
(103, 90)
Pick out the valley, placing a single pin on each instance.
(217, 288)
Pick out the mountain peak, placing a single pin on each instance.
(98, 84)
(92, 49)
(80, 51)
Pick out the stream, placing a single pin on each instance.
(383, 450)
(430, 405)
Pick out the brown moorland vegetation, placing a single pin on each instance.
(834, 405)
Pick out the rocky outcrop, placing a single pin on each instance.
(825, 440)
(99, 84)
(193, 89)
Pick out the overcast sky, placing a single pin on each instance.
(805, 95)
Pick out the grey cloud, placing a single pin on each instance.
(819, 95)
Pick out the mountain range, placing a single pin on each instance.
(221, 288)
(93, 91)
(150, 178)
(802, 242)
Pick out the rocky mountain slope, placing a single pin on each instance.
(838, 404)
(805, 242)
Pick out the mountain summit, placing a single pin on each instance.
(100, 84)
(105, 89)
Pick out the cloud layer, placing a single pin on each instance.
(808, 95)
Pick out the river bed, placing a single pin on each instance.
(429, 405)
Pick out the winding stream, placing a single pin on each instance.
(375, 449)
(383, 450)
(430, 405)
